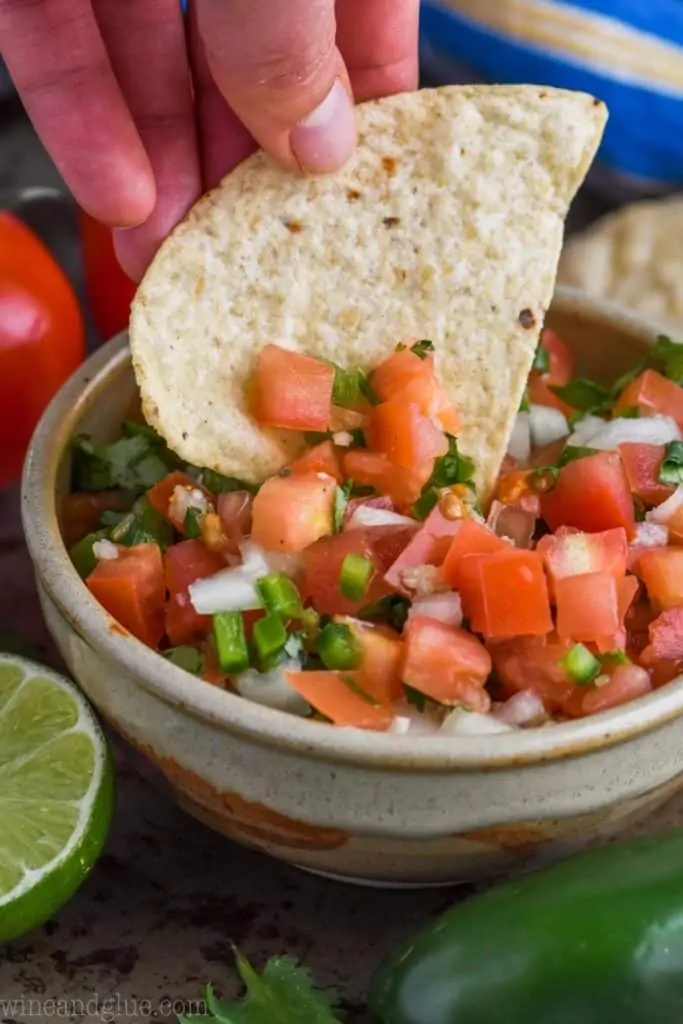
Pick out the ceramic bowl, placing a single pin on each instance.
(365, 807)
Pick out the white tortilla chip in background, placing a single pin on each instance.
(633, 257)
(446, 224)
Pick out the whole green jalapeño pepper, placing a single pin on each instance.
(597, 939)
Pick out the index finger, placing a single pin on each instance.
(57, 59)
(379, 42)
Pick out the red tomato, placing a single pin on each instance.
(184, 564)
(42, 338)
(446, 663)
(161, 497)
(291, 512)
(324, 458)
(110, 291)
(131, 588)
(627, 683)
(627, 590)
(512, 598)
(406, 377)
(587, 606)
(291, 390)
(575, 553)
(389, 542)
(340, 701)
(560, 372)
(539, 393)
(81, 513)
(427, 547)
(653, 393)
(234, 511)
(661, 570)
(322, 569)
(534, 663)
(591, 494)
(370, 469)
(470, 537)
(382, 653)
(642, 463)
(404, 434)
(666, 635)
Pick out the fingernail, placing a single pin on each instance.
(325, 140)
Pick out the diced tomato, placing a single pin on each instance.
(428, 546)
(628, 683)
(670, 515)
(81, 512)
(184, 564)
(324, 458)
(291, 390)
(642, 463)
(512, 595)
(131, 588)
(234, 511)
(561, 368)
(446, 663)
(587, 606)
(534, 663)
(574, 553)
(591, 494)
(346, 419)
(405, 435)
(661, 570)
(382, 653)
(161, 496)
(405, 376)
(389, 543)
(653, 394)
(291, 512)
(469, 537)
(370, 469)
(666, 635)
(322, 563)
(341, 701)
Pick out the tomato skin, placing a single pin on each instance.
(574, 552)
(512, 595)
(42, 337)
(428, 546)
(470, 537)
(587, 606)
(331, 696)
(291, 390)
(642, 463)
(406, 377)
(666, 635)
(591, 494)
(382, 651)
(81, 512)
(291, 512)
(404, 434)
(184, 564)
(372, 469)
(234, 510)
(534, 663)
(446, 663)
(322, 564)
(627, 683)
(131, 589)
(653, 393)
(323, 458)
(628, 589)
(661, 571)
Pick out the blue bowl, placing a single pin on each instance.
(627, 52)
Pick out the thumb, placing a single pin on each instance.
(277, 65)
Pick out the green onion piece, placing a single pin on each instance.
(231, 642)
(338, 647)
(580, 665)
(346, 387)
(425, 503)
(667, 356)
(622, 382)
(356, 573)
(310, 619)
(541, 359)
(422, 348)
(573, 452)
(587, 395)
(280, 596)
(82, 555)
(671, 469)
(193, 523)
(270, 637)
(189, 658)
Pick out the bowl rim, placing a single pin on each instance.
(265, 726)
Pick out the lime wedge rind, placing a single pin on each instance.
(42, 889)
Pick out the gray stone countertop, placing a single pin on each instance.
(156, 919)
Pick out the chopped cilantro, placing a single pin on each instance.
(422, 348)
(671, 469)
(451, 468)
(142, 525)
(366, 388)
(131, 428)
(414, 697)
(219, 484)
(632, 412)
(341, 501)
(585, 395)
(572, 452)
(541, 361)
(346, 387)
(193, 523)
(525, 405)
(131, 463)
(667, 356)
(392, 609)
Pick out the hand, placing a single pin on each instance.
(107, 86)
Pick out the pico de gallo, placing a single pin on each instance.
(364, 585)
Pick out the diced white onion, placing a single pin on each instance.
(272, 689)
(524, 708)
(416, 723)
(424, 580)
(645, 430)
(105, 551)
(650, 534)
(230, 590)
(261, 562)
(519, 445)
(185, 498)
(664, 512)
(343, 439)
(472, 723)
(584, 430)
(366, 515)
(445, 607)
(546, 425)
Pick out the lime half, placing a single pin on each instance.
(56, 793)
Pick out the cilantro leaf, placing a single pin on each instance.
(667, 356)
(586, 395)
(541, 359)
(341, 501)
(392, 609)
(671, 469)
(451, 468)
(142, 525)
(415, 697)
(572, 452)
(422, 348)
(284, 994)
(219, 484)
(525, 405)
(131, 463)
(366, 388)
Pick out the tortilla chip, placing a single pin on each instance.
(634, 258)
(446, 224)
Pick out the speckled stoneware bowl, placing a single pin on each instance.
(366, 807)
